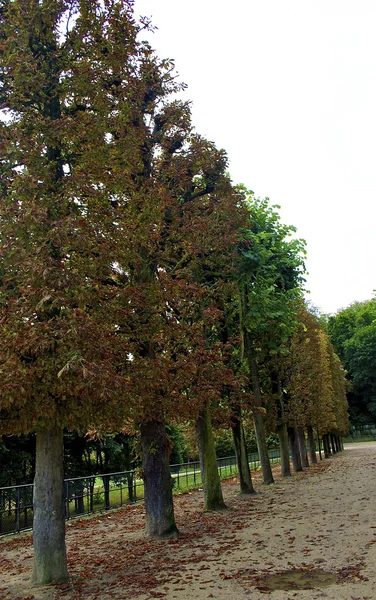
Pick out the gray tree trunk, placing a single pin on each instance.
(50, 563)
(213, 498)
(159, 506)
(311, 444)
(245, 479)
(302, 446)
(294, 449)
(284, 450)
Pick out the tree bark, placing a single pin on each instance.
(213, 498)
(50, 563)
(284, 450)
(248, 354)
(294, 449)
(277, 389)
(245, 479)
(302, 446)
(259, 421)
(159, 506)
(311, 444)
(325, 442)
(332, 442)
(319, 443)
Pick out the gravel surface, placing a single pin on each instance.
(321, 520)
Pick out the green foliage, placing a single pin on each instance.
(353, 333)
(224, 445)
(271, 276)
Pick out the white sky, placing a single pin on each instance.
(288, 89)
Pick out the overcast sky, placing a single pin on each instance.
(288, 89)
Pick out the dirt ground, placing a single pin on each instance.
(322, 519)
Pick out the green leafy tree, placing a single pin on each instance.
(270, 281)
(353, 334)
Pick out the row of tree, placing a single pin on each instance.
(138, 285)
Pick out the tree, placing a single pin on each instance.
(71, 75)
(270, 280)
(315, 383)
(353, 334)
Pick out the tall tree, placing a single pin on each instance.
(316, 381)
(270, 280)
(74, 84)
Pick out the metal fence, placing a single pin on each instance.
(86, 495)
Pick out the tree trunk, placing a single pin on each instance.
(50, 563)
(302, 446)
(246, 485)
(294, 449)
(319, 443)
(311, 444)
(325, 442)
(277, 389)
(159, 506)
(259, 423)
(284, 450)
(248, 354)
(332, 442)
(213, 498)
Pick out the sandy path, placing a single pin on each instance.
(323, 519)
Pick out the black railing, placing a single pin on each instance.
(86, 495)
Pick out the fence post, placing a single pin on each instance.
(106, 487)
(18, 510)
(67, 509)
